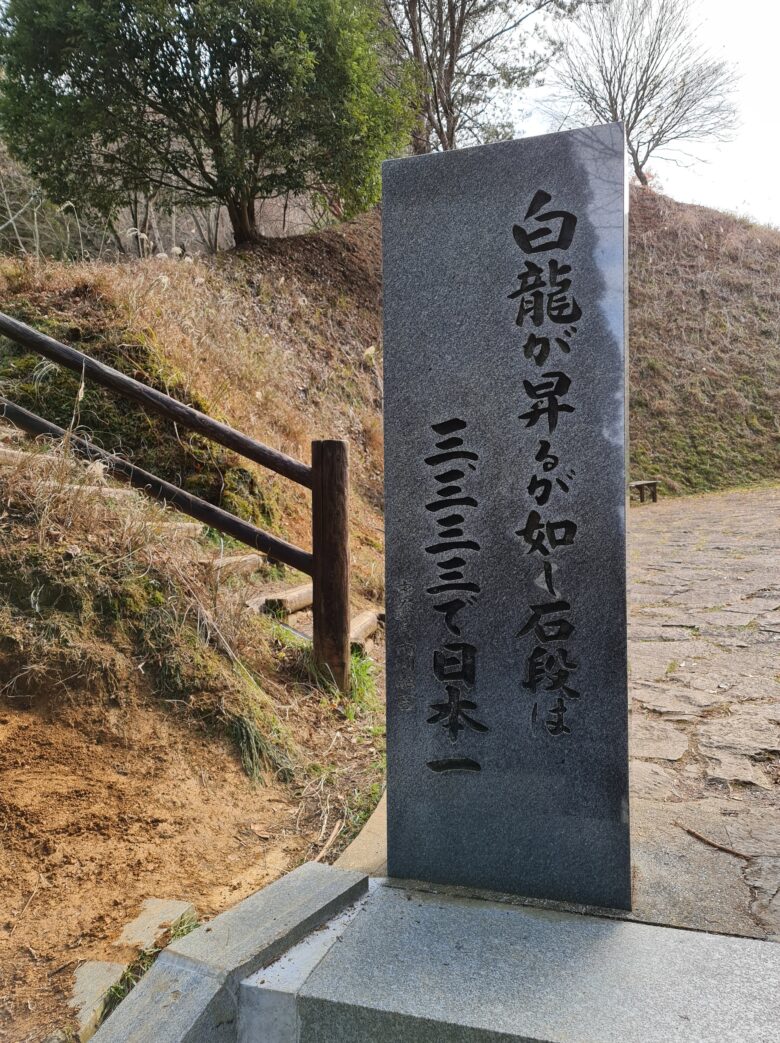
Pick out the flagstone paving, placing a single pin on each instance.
(704, 653)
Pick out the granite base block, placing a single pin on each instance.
(412, 967)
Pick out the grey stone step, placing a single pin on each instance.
(155, 917)
(14, 457)
(190, 994)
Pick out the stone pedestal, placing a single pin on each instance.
(325, 955)
(407, 966)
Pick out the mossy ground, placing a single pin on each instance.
(81, 623)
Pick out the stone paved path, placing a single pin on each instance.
(704, 652)
(704, 648)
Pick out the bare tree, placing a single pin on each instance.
(469, 54)
(640, 61)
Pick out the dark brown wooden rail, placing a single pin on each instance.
(164, 491)
(328, 478)
(156, 401)
(330, 547)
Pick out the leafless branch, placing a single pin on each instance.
(640, 61)
(468, 53)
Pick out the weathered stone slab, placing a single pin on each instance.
(650, 781)
(657, 740)
(447, 969)
(684, 881)
(195, 980)
(505, 517)
(157, 914)
(762, 875)
(93, 981)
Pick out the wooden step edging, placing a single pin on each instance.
(19, 456)
(91, 490)
(235, 564)
(363, 626)
(284, 602)
(161, 490)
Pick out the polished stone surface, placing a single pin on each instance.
(505, 517)
(414, 968)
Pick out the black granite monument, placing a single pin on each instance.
(505, 362)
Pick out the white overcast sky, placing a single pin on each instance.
(742, 175)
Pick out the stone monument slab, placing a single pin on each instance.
(504, 312)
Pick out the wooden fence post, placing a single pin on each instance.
(330, 547)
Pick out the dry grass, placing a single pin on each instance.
(100, 605)
(704, 346)
(103, 616)
(98, 601)
(284, 342)
(281, 352)
(281, 343)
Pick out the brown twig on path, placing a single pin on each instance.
(711, 843)
(26, 905)
(331, 840)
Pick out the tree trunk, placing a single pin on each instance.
(243, 222)
(421, 136)
(641, 176)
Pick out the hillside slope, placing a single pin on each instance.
(704, 292)
(283, 342)
(126, 664)
(157, 737)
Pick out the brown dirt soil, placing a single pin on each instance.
(346, 259)
(101, 809)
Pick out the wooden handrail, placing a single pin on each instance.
(155, 400)
(330, 550)
(164, 491)
(328, 478)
